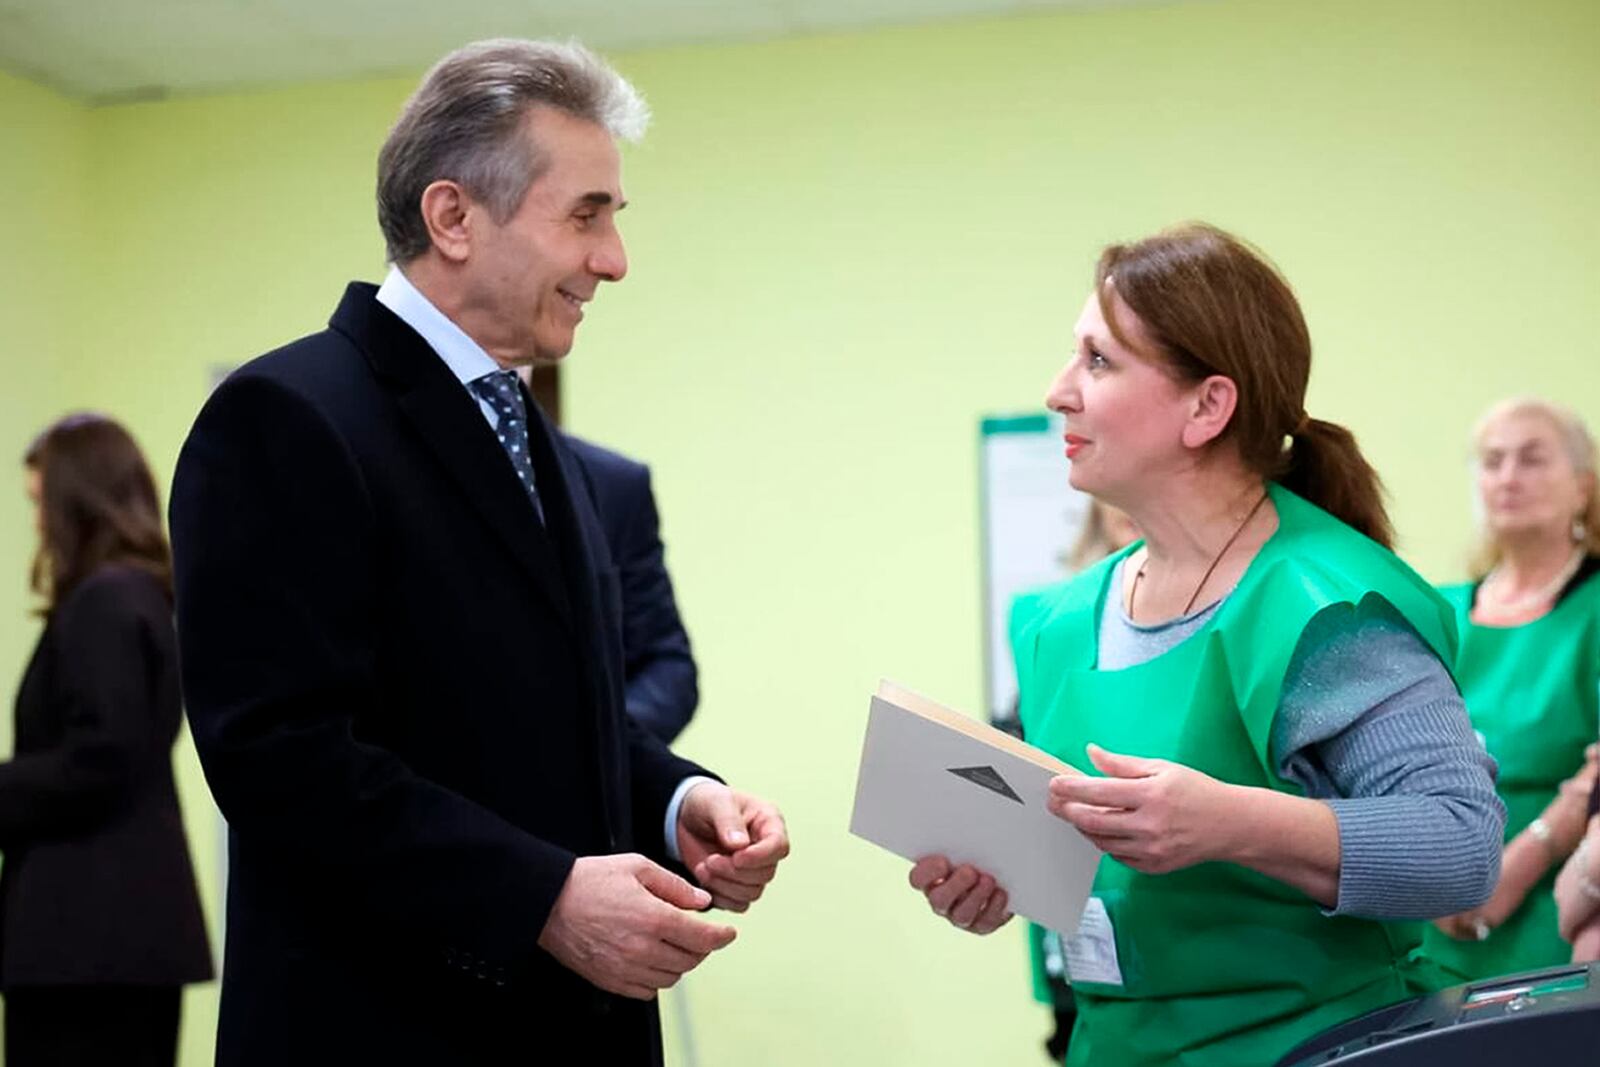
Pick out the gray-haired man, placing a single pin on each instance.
(400, 647)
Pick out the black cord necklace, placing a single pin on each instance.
(1206, 577)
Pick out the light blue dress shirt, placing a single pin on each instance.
(465, 357)
(468, 362)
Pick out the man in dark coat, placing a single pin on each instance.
(398, 624)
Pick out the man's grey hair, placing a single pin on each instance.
(464, 123)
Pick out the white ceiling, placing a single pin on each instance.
(108, 50)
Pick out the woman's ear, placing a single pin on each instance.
(1215, 399)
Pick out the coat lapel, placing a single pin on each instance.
(451, 426)
(577, 543)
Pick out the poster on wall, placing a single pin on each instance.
(1030, 520)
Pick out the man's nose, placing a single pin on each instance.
(610, 259)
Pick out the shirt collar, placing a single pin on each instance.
(465, 357)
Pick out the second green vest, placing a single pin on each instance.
(1531, 692)
(1217, 965)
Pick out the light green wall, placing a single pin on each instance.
(57, 352)
(42, 172)
(844, 250)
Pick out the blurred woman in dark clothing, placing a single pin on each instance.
(100, 920)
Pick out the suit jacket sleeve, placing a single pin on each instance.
(277, 565)
(662, 682)
(103, 688)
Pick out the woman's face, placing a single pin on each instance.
(1124, 414)
(33, 483)
(1526, 478)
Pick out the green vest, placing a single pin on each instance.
(1221, 965)
(1044, 946)
(1531, 692)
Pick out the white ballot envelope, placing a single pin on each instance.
(934, 781)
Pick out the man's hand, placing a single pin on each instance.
(621, 923)
(732, 842)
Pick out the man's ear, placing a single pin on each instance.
(1215, 400)
(445, 206)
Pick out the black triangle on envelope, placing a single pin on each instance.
(987, 777)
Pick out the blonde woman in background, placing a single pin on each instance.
(1529, 668)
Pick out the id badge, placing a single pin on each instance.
(1091, 953)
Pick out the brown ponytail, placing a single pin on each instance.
(1325, 465)
(1213, 305)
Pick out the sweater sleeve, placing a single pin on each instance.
(1371, 723)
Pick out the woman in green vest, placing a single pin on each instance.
(1283, 776)
(1529, 667)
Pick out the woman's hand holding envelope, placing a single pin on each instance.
(1157, 816)
(965, 895)
(1153, 815)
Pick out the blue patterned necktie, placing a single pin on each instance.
(502, 392)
